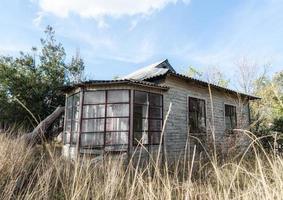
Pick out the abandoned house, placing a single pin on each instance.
(119, 116)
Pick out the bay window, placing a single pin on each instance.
(103, 120)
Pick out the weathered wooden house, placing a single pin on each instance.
(119, 116)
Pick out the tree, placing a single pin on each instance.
(30, 91)
(76, 69)
(211, 75)
(267, 113)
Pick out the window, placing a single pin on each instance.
(197, 115)
(147, 118)
(105, 121)
(72, 119)
(230, 117)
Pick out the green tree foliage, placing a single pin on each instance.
(35, 86)
(268, 112)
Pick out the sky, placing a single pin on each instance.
(116, 37)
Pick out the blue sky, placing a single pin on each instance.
(115, 37)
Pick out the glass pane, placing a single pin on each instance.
(67, 138)
(117, 124)
(68, 125)
(115, 138)
(140, 137)
(118, 96)
(74, 137)
(94, 97)
(155, 113)
(155, 125)
(92, 139)
(70, 101)
(141, 97)
(155, 137)
(155, 99)
(228, 123)
(93, 111)
(69, 113)
(92, 125)
(118, 110)
(141, 111)
(75, 112)
(76, 99)
(230, 117)
(140, 124)
(75, 126)
(197, 121)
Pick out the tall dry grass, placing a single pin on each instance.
(40, 173)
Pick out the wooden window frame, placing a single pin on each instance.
(105, 117)
(148, 131)
(70, 142)
(205, 113)
(236, 119)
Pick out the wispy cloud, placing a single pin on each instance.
(99, 9)
(37, 21)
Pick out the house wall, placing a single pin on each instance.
(176, 136)
(176, 130)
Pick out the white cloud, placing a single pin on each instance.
(37, 21)
(101, 8)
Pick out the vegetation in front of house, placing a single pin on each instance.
(39, 173)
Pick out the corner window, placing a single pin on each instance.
(230, 117)
(197, 115)
(148, 118)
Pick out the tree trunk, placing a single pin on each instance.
(43, 131)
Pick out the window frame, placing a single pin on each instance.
(105, 117)
(188, 112)
(236, 117)
(148, 118)
(71, 142)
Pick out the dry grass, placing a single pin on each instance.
(39, 174)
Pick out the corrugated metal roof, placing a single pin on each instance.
(252, 97)
(163, 68)
(155, 69)
(112, 82)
